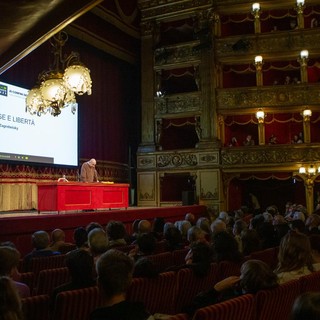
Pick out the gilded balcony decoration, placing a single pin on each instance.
(280, 96)
(181, 103)
(173, 55)
(175, 160)
(272, 156)
(268, 43)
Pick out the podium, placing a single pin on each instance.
(64, 196)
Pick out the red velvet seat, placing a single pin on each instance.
(310, 282)
(179, 256)
(269, 256)
(36, 307)
(67, 248)
(162, 261)
(28, 278)
(189, 285)
(179, 316)
(276, 304)
(157, 294)
(240, 308)
(229, 268)
(50, 279)
(76, 304)
(40, 263)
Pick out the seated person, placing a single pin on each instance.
(306, 306)
(145, 246)
(114, 269)
(58, 237)
(81, 268)
(40, 242)
(9, 261)
(255, 275)
(116, 232)
(249, 141)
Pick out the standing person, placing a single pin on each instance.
(89, 172)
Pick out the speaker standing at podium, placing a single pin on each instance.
(89, 172)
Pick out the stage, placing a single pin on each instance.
(18, 226)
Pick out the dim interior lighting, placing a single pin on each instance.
(256, 7)
(260, 115)
(258, 59)
(57, 86)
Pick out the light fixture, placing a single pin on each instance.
(256, 10)
(57, 87)
(304, 54)
(300, 4)
(310, 170)
(260, 115)
(306, 113)
(258, 59)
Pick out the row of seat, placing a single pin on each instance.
(268, 304)
(275, 304)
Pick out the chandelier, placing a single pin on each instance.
(56, 88)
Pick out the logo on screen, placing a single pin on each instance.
(3, 90)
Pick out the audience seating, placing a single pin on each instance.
(162, 261)
(76, 304)
(269, 256)
(240, 308)
(36, 307)
(179, 256)
(179, 316)
(276, 304)
(28, 278)
(157, 293)
(161, 246)
(50, 279)
(67, 248)
(189, 285)
(310, 282)
(37, 264)
(228, 268)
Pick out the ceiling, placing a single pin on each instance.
(27, 24)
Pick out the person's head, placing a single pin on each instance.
(190, 217)
(294, 252)
(217, 226)
(80, 264)
(158, 224)
(238, 226)
(80, 237)
(195, 234)
(225, 247)
(146, 243)
(114, 269)
(167, 226)
(250, 241)
(297, 225)
(93, 225)
(224, 217)
(183, 226)
(173, 237)
(92, 162)
(9, 260)
(204, 224)
(97, 241)
(306, 307)
(256, 275)
(10, 303)
(313, 221)
(40, 240)
(144, 226)
(57, 235)
(135, 224)
(116, 230)
(278, 219)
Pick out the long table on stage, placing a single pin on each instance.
(63, 196)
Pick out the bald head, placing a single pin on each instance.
(92, 162)
(57, 235)
(144, 226)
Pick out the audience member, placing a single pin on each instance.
(195, 234)
(10, 302)
(173, 239)
(306, 307)
(115, 270)
(80, 237)
(225, 248)
(157, 227)
(191, 218)
(144, 226)
(116, 232)
(255, 275)
(144, 268)
(81, 268)
(58, 238)
(145, 246)
(250, 241)
(217, 226)
(204, 224)
(312, 224)
(183, 227)
(93, 225)
(40, 243)
(238, 227)
(9, 261)
(98, 242)
(295, 257)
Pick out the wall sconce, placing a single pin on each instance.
(300, 6)
(310, 170)
(256, 10)
(260, 115)
(306, 113)
(304, 54)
